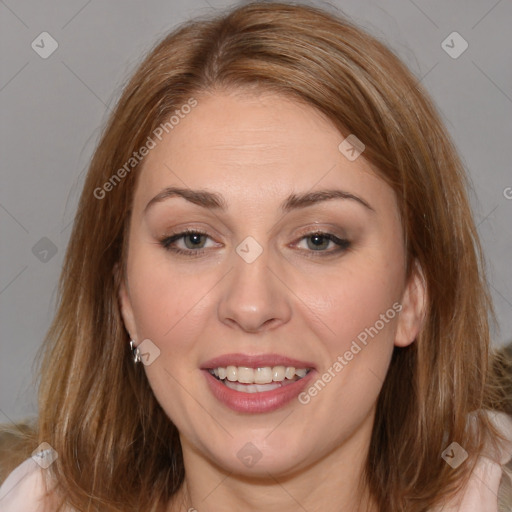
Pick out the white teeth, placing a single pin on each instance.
(264, 375)
(252, 388)
(232, 373)
(290, 372)
(278, 373)
(245, 375)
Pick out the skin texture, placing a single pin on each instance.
(255, 150)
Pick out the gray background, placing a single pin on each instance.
(53, 109)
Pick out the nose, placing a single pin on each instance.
(254, 298)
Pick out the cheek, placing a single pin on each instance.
(355, 299)
(360, 312)
(167, 310)
(166, 303)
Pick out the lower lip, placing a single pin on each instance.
(265, 401)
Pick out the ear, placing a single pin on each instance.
(413, 309)
(125, 304)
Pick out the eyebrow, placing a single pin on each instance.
(214, 201)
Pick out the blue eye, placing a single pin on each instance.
(195, 243)
(320, 241)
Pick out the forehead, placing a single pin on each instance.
(253, 146)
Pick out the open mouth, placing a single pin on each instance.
(258, 380)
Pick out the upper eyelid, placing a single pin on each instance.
(303, 233)
(180, 235)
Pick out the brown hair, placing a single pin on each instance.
(118, 450)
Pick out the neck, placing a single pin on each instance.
(332, 483)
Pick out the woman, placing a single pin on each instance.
(273, 295)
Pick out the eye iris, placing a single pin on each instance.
(318, 242)
(195, 238)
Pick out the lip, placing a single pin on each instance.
(266, 401)
(255, 361)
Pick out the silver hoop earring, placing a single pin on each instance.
(135, 352)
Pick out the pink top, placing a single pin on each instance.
(24, 487)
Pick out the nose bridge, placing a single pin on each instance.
(253, 297)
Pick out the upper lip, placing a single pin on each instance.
(254, 361)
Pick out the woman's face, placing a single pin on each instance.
(260, 297)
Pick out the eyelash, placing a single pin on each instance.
(343, 244)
